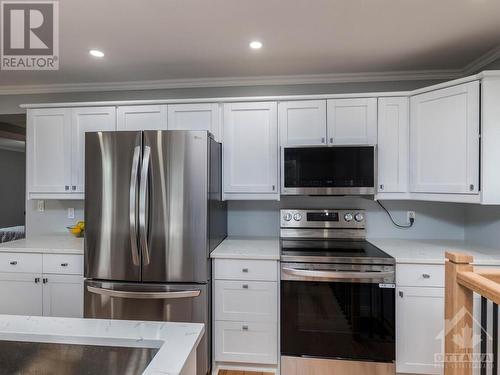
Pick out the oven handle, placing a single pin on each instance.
(336, 275)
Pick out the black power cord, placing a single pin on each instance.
(412, 220)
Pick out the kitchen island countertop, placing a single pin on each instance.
(176, 342)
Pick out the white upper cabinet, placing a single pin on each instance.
(49, 150)
(352, 121)
(142, 117)
(250, 151)
(303, 122)
(203, 116)
(90, 119)
(444, 146)
(393, 145)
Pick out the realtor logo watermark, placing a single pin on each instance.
(30, 35)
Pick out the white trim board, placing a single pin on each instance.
(491, 73)
(412, 75)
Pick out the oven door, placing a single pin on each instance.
(337, 170)
(337, 314)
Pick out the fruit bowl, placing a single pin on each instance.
(77, 230)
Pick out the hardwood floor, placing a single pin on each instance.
(234, 372)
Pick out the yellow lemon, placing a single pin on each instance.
(81, 225)
(76, 230)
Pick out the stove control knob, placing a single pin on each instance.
(287, 216)
(297, 217)
(359, 217)
(348, 217)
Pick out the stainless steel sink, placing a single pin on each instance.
(32, 358)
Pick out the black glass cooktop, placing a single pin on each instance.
(345, 251)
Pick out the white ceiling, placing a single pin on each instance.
(178, 39)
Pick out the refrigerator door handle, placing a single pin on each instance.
(134, 174)
(143, 189)
(144, 295)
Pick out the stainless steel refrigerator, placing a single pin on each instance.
(153, 213)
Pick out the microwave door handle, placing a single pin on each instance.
(134, 175)
(336, 275)
(144, 295)
(143, 189)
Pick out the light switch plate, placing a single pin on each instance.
(71, 213)
(40, 206)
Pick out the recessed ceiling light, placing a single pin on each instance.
(255, 44)
(96, 53)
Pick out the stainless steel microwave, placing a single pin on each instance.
(332, 170)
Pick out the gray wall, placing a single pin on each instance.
(10, 103)
(12, 187)
(482, 225)
(433, 220)
(53, 220)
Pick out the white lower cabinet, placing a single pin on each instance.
(246, 342)
(21, 294)
(63, 296)
(27, 286)
(419, 323)
(246, 312)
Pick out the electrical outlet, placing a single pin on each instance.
(71, 213)
(40, 207)
(410, 215)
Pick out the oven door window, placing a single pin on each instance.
(337, 320)
(329, 167)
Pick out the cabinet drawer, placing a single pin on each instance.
(246, 342)
(68, 264)
(420, 275)
(239, 269)
(21, 262)
(255, 301)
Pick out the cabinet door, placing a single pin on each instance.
(352, 121)
(393, 145)
(444, 133)
(63, 296)
(49, 150)
(419, 323)
(21, 294)
(303, 122)
(142, 117)
(90, 119)
(204, 116)
(250, 147)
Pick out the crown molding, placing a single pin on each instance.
(235, 81)
(414, 75)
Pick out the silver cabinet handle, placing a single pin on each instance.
(73, 187)
(381, 186)
(37, 280)
(244, 328)
(401, 294)
(13, 263)
(323, 140)
(331, 140)
(244, 270)
(471, 187)
(245, 286)
(143, 188)
(64, 264)
(134, 175)
(426, 276)
(45, 280)
(66, 187)
(143, 295)
(336, 275)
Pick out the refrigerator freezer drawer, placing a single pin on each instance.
(156, 302)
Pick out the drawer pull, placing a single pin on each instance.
(45, 280)
(244, 270)
(64, 264)
(245, 286)
(13, 263)
(426, 276)
(37, 280)
(244, 328)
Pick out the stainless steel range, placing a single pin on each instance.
(337, 295)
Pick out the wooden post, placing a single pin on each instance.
(458, 315)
